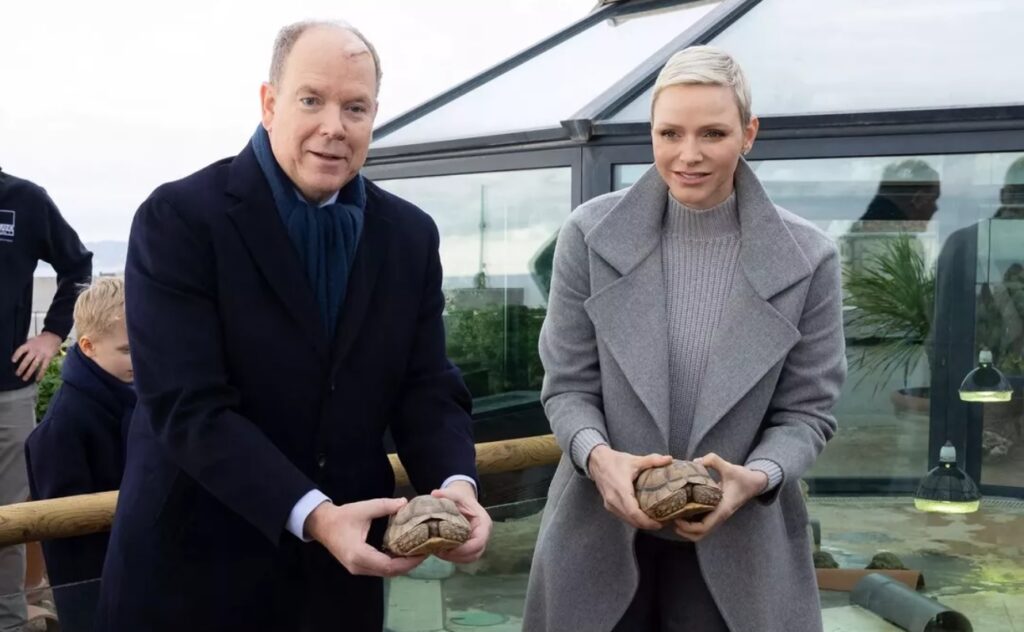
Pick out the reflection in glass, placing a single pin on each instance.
(497, 242)
(999, 324)
(913, 233)
(556, 84)
(624, 175)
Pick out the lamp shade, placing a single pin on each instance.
(947, 488)
(985, 383)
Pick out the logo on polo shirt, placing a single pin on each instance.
(6, 225)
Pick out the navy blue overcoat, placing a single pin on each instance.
(245, 406)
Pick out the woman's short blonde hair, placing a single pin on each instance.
(99, 308)
(706, 66)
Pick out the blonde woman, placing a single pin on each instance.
(689, 317)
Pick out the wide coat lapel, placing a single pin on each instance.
(629, 313)
(752, 336)
(257, 220)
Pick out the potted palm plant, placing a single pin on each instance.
(891, 296)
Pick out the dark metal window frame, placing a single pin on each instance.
(524, 159)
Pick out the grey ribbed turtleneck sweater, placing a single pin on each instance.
(700, 251)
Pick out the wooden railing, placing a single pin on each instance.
(94, 513)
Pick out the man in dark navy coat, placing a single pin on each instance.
(283, 311)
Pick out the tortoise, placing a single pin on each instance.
(425, 525)
(886, 561)
(681, 489)
(824, 559)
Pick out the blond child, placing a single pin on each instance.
(78, 448)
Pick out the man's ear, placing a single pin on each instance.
(268, 101)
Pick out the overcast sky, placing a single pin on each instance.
(100, 102)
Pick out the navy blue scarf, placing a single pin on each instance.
(325, 237)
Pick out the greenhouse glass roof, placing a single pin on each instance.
(813, 57)
(803, 57)
(552, 86)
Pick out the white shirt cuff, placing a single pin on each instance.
(460, 477)
(297, 518)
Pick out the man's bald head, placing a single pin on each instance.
(290, 34)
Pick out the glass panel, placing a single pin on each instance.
(497, 242)
(625, 175)
(636, 111)
(553, 86)
(999, 315)
(807, 56)
(909, 213)
(913, 211)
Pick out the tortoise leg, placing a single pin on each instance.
(452, 532)
(428, 538)
(703, 500)
(706, 495)
(670, 507)
(412, 540)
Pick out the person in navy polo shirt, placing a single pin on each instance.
(31, 230)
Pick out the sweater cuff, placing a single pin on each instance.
(582, 444)
(771, 469)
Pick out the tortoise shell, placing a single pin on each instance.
(681, 489)
(426, 525)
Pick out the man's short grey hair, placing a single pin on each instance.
(287, 36)
(706, 66)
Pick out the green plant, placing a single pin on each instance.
(893, 296)
(50, 383)
(499, 341)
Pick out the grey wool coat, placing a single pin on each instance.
(776, 366)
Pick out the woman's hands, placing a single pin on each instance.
(739, 485)
(614, 472)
